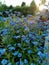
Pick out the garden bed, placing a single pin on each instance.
(21, 42)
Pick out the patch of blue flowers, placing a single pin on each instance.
(2, 51)
(20, 43)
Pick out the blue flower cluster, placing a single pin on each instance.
(22, 41)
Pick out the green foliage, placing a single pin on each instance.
(3, 7)
(23, 4)
(10, 7)
(23, 8)
(33, 7)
